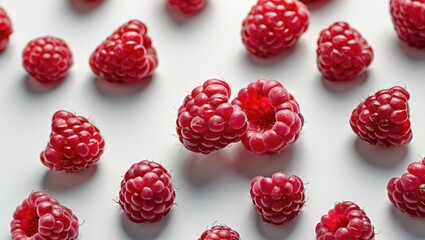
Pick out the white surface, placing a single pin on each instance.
(139, 123)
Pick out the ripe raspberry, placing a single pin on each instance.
(273, 26)
(278, 199)
(47, 59)
(5, 29)
(146, 193)
(409, 21)
(342, 53)
(345, 221)
(273, 114)
(220, 233)
(206, 121)
(75, 144)
(408, 192)
(125, 57)
(187, 6)
(42, 217)
(383, 118)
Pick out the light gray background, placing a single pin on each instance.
(139, 123)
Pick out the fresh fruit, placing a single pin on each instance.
(146, 193)
(47, 59)
(384, 118)
(273, 26)
(206, 121)
(220, 233)
(278, 199)
(342, 52)
(407, 192)
(187, 6)
(345, 221)
(127, 56)
(5, 29)
(273, 115)
(42, 217)
(75, 143)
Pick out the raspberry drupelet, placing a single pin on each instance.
(146, 193)
(47, 59)
(220, 233)
(187, 7)
(127, 56)
(409, 21)
(407, 193)
(274, 116)
(42, 217)
(273, 26)
(5, 29)
(345, 221)
(206, 121)
(384, 118)
(75, 144)
(342, 52)
(278, 199)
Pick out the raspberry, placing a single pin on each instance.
(342, 53)
(220, 233)
(47, 59)
(125, 57)
(278, 199)
(273, 115)
(187, 6)
(345, 221)
(206, 121)
(5, 29)
(273, 26)
(383, 118)
(409, 21)
(408, 192)
(42, 217)
(146, 193)
(75, 144)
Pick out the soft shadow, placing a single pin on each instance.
(271, 231)
(250, 165)
(143, 231)
(412, 53)
(84, 6)
(381, 157)
(272, 60)
(57, 181)
(116, 90)
(37, 88)
(179, 17)
(318, 4)
(345, 86)
(413, 225)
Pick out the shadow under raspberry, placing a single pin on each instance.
(115, 90)
(84, 6)
(413, 54)
(414, 226)
(143, 231)
(345, 86)
(271, 231)
(35, 87)
(318, 4)
(58, 181)
(272, 61)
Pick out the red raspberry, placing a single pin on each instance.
(409, 21)
(278, 199)
(146, 193)
(127, 56)
(273, 114)
(42, 217)
(345, 221)
(383, 118)
(273, 26)
(220, 233)
(187, 6)
(47, 59)
(206, 121)
(5, 29)
(342, 53)
(75, 144)
(408, 192)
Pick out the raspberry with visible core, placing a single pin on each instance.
(407, 192)
(345, 221)
(384, 118)
(146, 193)
(187, 6)
(5, 29)
(125, 57)
(75, 144)
(207, 121)
(42, 217)
(273, 115)
(409, 21)
(273, 26)
(47, 59)
(278, 199)
(342, 52)
(220, 233)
